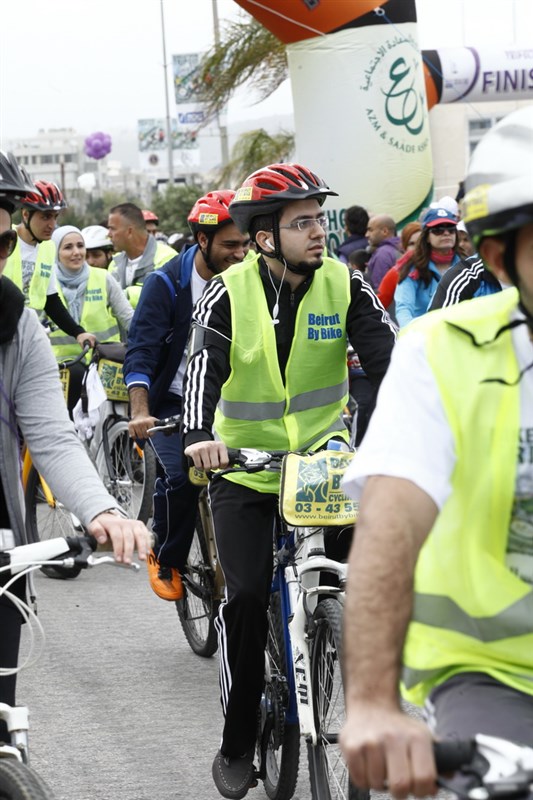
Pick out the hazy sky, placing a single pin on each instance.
(98, 64)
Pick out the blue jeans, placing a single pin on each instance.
(175, 498)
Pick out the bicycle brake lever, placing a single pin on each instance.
(94, 561)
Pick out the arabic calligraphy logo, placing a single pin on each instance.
(404, 106)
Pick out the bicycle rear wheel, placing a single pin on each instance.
(19, 782)
(328, 773)
(127, 471)
(198, 607)
(47, 518)
(280, 741)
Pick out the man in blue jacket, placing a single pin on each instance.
(154, 368)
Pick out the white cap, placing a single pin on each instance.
(96, 236)
(448, 203)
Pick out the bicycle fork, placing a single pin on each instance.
(302, 631)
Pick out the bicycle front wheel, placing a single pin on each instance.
(198, 607)
(278, 740)
(127, 471)
(47, 518)
(19, 782)
(328, 773)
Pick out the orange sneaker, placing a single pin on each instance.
(165, 581)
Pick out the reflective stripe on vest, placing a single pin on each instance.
(38, 287)
(96, 316)
(258, 408)
(471, 613)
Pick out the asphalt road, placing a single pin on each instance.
(121, 709)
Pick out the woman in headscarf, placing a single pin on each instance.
(93, 298)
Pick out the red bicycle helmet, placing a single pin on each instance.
(48, 197)
(270, 188)
(211, 211)
(149, 216)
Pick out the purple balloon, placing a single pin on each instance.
(97, 145)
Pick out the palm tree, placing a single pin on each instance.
(246, 51)
(254, 149)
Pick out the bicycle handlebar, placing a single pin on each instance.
(485, 767)
(69, 551)
(67, 362)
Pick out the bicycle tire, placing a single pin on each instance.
(45, 521)
(283, 745)
(19, 782)
(128, 472)
(198, 608)
(328, 773)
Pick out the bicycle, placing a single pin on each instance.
(18, 781)
(203, 582)
(304, 691)
(127, 471)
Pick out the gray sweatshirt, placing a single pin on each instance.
(31, 398)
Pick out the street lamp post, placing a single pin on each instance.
(222, 128)
(169, 127)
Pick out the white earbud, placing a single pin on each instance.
(275, 312)
(269, 244)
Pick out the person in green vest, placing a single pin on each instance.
(138, 253)
(268, 354)
(440, 581)
(93, 298)
(30, 266)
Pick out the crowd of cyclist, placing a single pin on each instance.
(244, 332)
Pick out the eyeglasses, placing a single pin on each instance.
(307, 223)
(440, 230)
(8, 242)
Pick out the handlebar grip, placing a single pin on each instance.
(452, 755)
(235, 456)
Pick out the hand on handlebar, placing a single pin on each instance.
(385, 748)
(139, 426)
(126, 535)
(208, 454)
(86, 337)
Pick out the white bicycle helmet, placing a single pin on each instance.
(499, 184)
(96, 237)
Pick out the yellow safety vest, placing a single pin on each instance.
(257, 408)
(163, 253)
(46, 253)
(96, 317)
(471, 613)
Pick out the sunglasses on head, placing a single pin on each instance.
(8, 242)
(439, 230)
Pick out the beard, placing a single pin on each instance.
(304, 267)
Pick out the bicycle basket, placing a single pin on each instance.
(311, 493)
(110, 358)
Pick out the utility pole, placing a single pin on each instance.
(222, 128)
(169, 126)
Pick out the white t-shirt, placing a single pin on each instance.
(28, 257)
(197, 288)
(409, 437)
(131, 266)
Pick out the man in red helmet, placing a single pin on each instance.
(268, 354)
(30, 267)
(151, 221)
(154, 369)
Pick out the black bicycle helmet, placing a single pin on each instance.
(15, 183)
(270, 188)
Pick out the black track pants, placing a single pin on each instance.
(244, 522)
